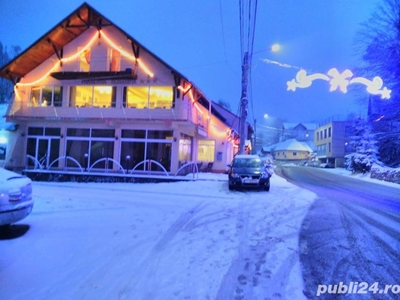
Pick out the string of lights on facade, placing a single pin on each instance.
(101, 34)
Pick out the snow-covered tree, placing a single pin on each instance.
(365, 150)
(378, 46)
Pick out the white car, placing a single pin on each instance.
(16, 200)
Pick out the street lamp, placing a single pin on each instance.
(275, 47)
(272, 48)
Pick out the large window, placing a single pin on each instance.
(140, 145)
(206, 151)
(148, 97)
(43, 146)
(90, 147)
(45, 96)
(92, 96)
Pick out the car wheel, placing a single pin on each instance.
(231, 187)
(267, 186)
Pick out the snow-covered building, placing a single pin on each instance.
(332, 141)
(289, 150)
(88, 96)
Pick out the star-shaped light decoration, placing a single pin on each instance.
(291, 85)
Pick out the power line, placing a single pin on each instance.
(247, 18)
(223, 30)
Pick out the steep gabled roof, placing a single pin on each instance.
(291, 145)
(307, 126)
(76, 23)
(53, 41)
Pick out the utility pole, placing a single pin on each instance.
(243, 103)
(255, 138)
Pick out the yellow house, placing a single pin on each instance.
(291, 149)
(88, 97)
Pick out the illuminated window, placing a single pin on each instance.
(161, 97)
(35, 96)
(185, 148)
(148, 97)
(136, 96)
(115, 60)
(46, 96)
(206, 150)
(92, 96)
(84, 61)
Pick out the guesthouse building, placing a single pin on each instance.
(88, 97)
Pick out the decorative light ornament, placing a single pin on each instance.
(218, 131)
(339, 81)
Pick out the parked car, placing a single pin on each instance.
(249, 171)
(16, 201)
(327, 166)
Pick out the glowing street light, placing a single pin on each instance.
(275, 47)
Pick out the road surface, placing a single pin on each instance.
(350, 234)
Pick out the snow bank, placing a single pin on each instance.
(386, 174)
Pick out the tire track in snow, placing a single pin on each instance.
(351, 250)
(144, 285)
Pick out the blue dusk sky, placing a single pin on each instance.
(201, 39)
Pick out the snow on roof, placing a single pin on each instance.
(291, 145)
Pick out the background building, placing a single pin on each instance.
(333, 142)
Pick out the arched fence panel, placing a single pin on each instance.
(65, 158)
(191, 167)
(149, 162)
(107, 160)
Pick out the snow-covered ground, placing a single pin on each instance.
(183, 240)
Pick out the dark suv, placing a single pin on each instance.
(249, 171)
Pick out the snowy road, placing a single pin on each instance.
(185, 240)
(350, 234)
